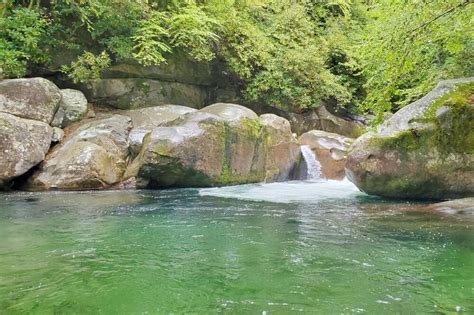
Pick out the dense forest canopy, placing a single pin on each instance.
(368, 56)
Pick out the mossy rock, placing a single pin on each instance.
(222, 144)
(424, 151)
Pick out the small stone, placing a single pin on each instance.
(58, 135)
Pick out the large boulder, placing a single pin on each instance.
(146, 119)
(35, 98)
(330, 149)
(424, 151)
(23, 144)
(72, 108)
(282, 148)
(222, 144)
(131, 93)
(94, 156)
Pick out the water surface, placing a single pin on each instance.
(296, 247)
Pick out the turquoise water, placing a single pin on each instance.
(297, 247)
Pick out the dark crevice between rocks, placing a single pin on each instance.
(19, 182)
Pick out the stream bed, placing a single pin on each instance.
(318, 247)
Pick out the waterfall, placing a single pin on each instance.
(313, 166)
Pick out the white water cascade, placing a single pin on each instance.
(312, 164)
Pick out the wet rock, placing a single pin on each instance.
(94, 156)
(72, 108)
(424, 151)
(23, 144)
(330, 149)
(457, 206)
(35, 98)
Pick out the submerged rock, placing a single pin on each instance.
(457, 206)
(424, 151)
(23, 144)
(35, 98)
(93, 156)
(222, 144)
(330, 149)
(72, 108)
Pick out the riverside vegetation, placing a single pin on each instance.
(236, 156)
(329, 65)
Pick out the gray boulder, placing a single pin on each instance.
(424, 151)
(94, 156)
(282, 148)
(35, 98)
(146, 119)
(221, 144)
(72, 108)
(23, 144)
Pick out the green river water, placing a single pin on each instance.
(286, 248)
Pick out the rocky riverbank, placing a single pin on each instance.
(53, 139)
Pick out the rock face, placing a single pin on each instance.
(321, 119)
(221, 144)
(35, 99)
(282, 148)
(131, 93)
(92, 157)
(424, 151)
(72, 108)
(330, 149)
(23, 144)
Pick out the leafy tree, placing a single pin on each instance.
(408, 46)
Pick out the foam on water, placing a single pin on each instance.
(287, 192)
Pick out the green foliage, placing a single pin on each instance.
(151, 38)
(370, 56)
(407, 47)
(88, 66)
(193, 30)
(21, 33)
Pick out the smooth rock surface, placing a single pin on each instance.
(283, 150)
(23, 144)
(94, 156)
(35, 98)
(222, 144)
(146, 119)
(72, 108)
(456, 206)
(424, 151)
(330, 149)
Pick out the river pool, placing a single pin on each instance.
(285, 248)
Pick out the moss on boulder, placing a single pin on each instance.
(424, 151)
